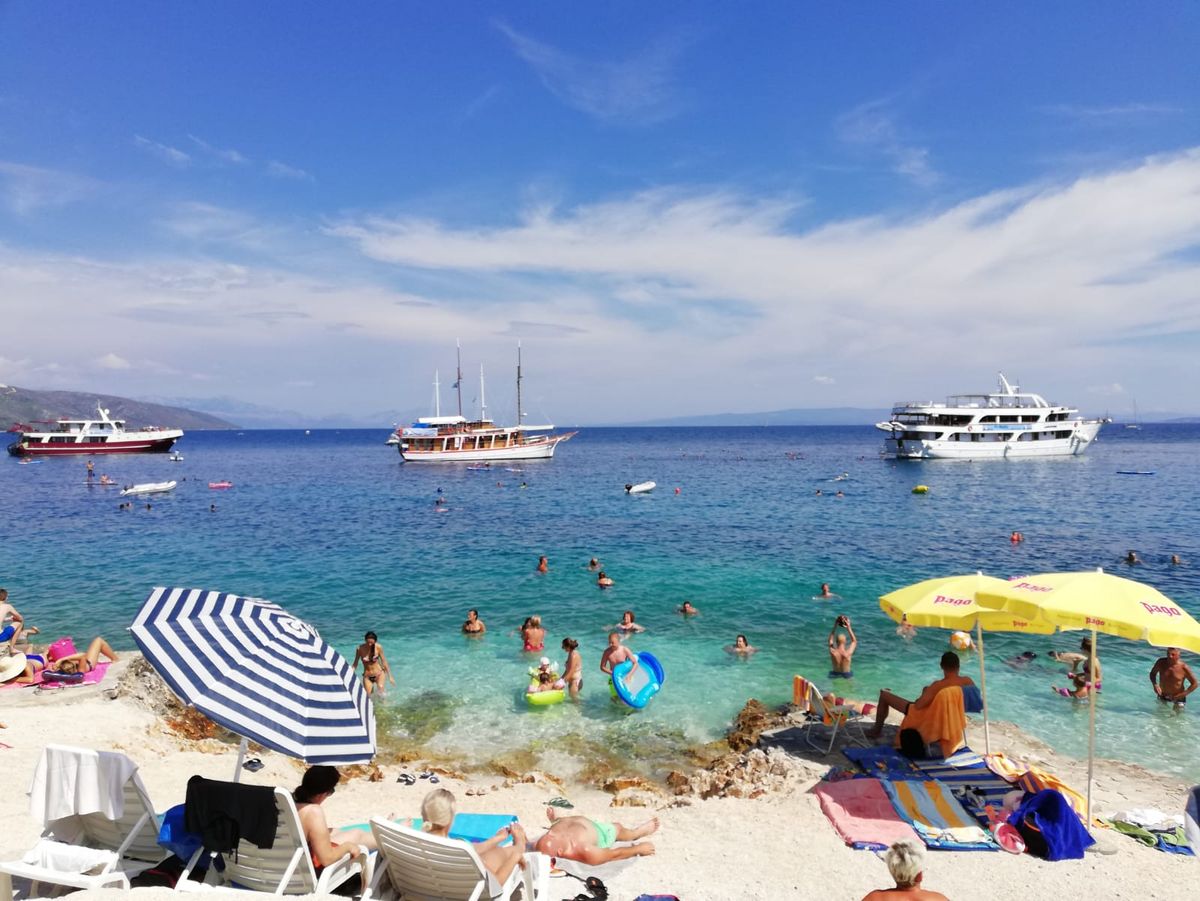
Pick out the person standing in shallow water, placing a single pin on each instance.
(573, 668)
(375, 665)
(473, 624)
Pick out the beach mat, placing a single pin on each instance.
(882, 761)
(965, 770)
(862, 814)
(937, 817)
(91, 678)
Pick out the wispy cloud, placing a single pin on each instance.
(223, 155)
(112, 361)
(824, 379)
(25, 189)
(276, 169)
(874, 128)
(638, 90)
(1114, 113)
(168, 154)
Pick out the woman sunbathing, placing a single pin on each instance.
(71, 664)
(326, 845)
(437, 811)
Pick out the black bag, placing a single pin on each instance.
(912, 745)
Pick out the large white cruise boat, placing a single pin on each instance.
(1007, 423)
(456, 439)
(101, 435)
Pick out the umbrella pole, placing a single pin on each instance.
(987, 735)
(1091, 725)
(237, 767)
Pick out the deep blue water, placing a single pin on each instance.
(334, 527)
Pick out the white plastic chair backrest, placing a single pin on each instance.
(424, 867)
(263, 869)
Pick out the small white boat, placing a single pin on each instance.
(176, 457)
(640, 488)
(149, 488)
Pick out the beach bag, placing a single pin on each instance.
(64, 647)
(1051, 827)
(912, 745)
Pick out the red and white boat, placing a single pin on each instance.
(101, 435)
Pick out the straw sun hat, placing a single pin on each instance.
(11, 667)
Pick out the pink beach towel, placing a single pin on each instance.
(95, 676)
(862, 814)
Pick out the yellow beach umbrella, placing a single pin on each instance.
(949, 603)
(1099, 602)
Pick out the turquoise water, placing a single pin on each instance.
(334, 527)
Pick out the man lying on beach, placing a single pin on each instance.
(591, 841)
(906, 862)
(889, 701)
(1168, 676)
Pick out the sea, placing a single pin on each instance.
(745, 523)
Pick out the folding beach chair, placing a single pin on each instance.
(417, 866)
(819, 715)
(286, 868)
(99, 826)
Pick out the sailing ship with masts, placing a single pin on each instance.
(456, 439)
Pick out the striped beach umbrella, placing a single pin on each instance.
(252, 667)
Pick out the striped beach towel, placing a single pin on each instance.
(969, 780)
(937, 817)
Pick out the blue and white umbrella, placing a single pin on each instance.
(252, 667)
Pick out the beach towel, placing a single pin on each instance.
(939, 820)
(881, 761)
(972, 699)
(969, 780)
(1033, 779)
(1050, 827)
(862, 814)
(944, 721)
(75, 782)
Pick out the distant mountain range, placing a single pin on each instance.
(27, 405)
(814, 416)
(257, 416)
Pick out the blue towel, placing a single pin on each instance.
(1050, 827)
(968, 777)
(972, 699)
(882, 761)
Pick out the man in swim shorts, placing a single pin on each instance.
(840, 653)
(889, 701)
(593, 841)
(12, 624)
(1168, 676)
(616, 653)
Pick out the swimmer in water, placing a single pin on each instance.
(1022, 660)
(473, 624)
(906, 630)
(826, 593)
(593, 565)
(1132, 559)
(603, 580)
(741, 647)
(543, 564)
(627, 624)
(1016, 537)
(532, 634)
(1175, 561)
(688, 610)
(818, 492)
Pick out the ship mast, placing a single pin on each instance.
(458, 375)
(520, 412)
(482, 398)
(437, 395)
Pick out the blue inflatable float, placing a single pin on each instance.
(644, 684)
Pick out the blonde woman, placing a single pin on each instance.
(437, 811)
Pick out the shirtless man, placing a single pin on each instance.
(889, 701)
(1168, 677)
(591, 841)
(12, 624)
(905, 861)
(840, 653)
(616, 653)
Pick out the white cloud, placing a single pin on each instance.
(640, 89)
(228, 155)
(276, 169)
(26, 189)
(112, 361)
(1122, 112)
(171, 155)
(873, 127)
(824, 379)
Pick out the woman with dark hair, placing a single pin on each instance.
(573, 668)
(326, 845)
(375, 664)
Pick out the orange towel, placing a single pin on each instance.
(943, 721)
(800, 696)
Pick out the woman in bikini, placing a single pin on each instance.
(375, 665)
(473, 624)
(533, 634)
(627, 623)
(71, 664)
(326, 845)
(573, 669)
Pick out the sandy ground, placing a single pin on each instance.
(774, 847)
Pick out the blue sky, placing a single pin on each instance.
(677, 208)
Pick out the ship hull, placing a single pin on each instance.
(533, 450)
(159, 445)
(941, 449)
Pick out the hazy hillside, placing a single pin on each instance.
(27, 405)
(817, 416)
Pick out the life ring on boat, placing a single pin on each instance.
(970, 428)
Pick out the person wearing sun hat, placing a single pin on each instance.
(11, 666)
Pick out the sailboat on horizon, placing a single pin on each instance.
(456, 439)
(1136, 424)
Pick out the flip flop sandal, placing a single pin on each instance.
(560, 802)
(253, 765)
(427, 775)
(407, 779)
(434, 780)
